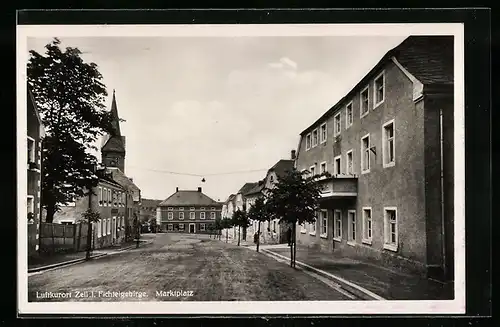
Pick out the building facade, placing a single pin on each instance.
(35, 132)
(188, 211)
(389, 147)
(111, 201)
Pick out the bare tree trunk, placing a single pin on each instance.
(226, 235)
(294, 244)
(291, 249)
(49, 218)
(258, 237)
(239, 235)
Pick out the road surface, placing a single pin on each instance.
(176, 267)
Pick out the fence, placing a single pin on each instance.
(54, 238)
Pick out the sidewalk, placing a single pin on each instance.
(389, 284)
(60, 258)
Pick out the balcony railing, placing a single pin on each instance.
(339, 186)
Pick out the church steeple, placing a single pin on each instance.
(113, 149)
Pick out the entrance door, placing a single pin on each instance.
(113, 229)
(191, 228)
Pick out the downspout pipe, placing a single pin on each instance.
(443, 225)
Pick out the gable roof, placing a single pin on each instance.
(125, 182)
(187, 198)
(247, 187)
(282, 167)
(428, 58)
(150, 202)
(257, 188)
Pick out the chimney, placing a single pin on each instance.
(177, 189)
(293, 154)
(199, 189)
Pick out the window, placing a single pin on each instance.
(388, 155)
(191, 215)
(364, 102)
(303, 229)
(181, 208)
(348, 115)
(336, 125)
(202, 208)
(390, 229)
(351, 220)
(367, 225)
(170, 227)
(322, 167)
(104, 197)
(308, 141)
(108, 228)
(312, 228)
(31, 204)
(192, 208)
(338, 165)
(202, 227)
(349, 160)
(202, 215)
(337, 225)
(103, 227)
(170, 208)
(99, 195)
(181, 215)
(99, 228)
(31, 150)
(322, 135)
(181, 227)
(315, 138)
(110, 198)
(170, 216)
(323, 221)
(274, 226)
(312, 169)
(213, 208)
(379, 91)
(365, 154)
(212, 215)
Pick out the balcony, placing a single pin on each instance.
(339, 186)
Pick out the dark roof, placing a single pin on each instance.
(150, 202)
(247, 187)
(428, 58)
(257, 188)
(187, 198)
(104, 176)
(115, 141)
(282, 167)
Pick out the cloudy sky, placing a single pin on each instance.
(226, 108)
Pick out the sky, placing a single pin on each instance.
(224, 108)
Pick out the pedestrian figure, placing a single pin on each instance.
(255, 237)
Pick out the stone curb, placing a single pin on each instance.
(64, 263)
(356, 290)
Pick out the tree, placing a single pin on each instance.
(70, 98)
(226, 223)
(240, 220)
(294, 199)
(259, 211)
(218, 226)
(90, 217)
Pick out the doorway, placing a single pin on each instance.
(192, 228)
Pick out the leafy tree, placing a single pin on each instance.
(70, 97)
(294, 199)
(90, 217)
(240, 220)
(218, 226)
(226, 223)
(259, 211)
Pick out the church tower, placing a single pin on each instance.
(113, 145)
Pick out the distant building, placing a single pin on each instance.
(388, 144)
(147, 210)
(188, 211)
(35, 132)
